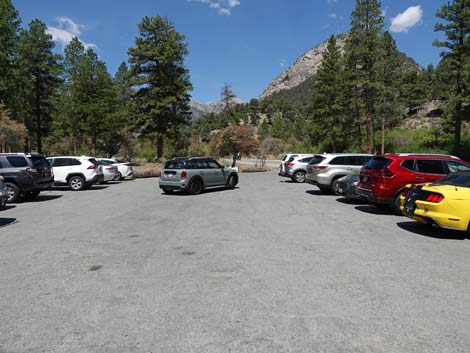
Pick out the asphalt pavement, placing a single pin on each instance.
(271, 266)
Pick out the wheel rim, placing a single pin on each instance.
(336, 188)
(75, 183)
(10, 193)
(300, 177)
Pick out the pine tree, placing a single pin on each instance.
(456, 14)
(328, 121)
(161, 82)
(40, 69)
(227, 96)
(9, 27)
(363, 53)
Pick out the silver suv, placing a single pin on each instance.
(194, 174)
(326, 172)
(296, 168)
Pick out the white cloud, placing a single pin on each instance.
(283, 63)
(332, 1)
(332, 15)
(407, 19)
(223, 7)
(66, 30)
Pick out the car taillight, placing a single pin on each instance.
(290, 164)
(320, 167)
(93, 166)
(183, 174)
(384, 173)
(109, 168)
(434, 197)
(31, 172)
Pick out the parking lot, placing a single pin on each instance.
(272, 266)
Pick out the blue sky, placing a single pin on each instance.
(246, 43)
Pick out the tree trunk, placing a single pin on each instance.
(93, 145)
(159, 146)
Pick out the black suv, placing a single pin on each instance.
(25, 174)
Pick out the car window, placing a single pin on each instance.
(1, 165)
(457, 179)
(430, 166)
(305, 160)
(39, 162)
(316, 160)
(340, 161)
(174, 165)
(359, 160)
(408, 164)
(17, 161)
(377, 163)
(456, 166)
(212, 165)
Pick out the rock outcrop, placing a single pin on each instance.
(198, 109)
(304, 67)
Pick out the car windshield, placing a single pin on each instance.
(175, 165)
(457, 179)
(377, 163)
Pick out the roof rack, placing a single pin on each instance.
(422, 154)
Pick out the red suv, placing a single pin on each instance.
(384, 177)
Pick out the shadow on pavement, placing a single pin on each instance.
(111, 183)
(351, 201)
(8, 207)
(208, 191)
(318, 193)
(66, 188)
(375, 210)
(432, 232)
(42, 198)
(7, 221)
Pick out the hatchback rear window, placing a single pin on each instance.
(377, 163)
(40, 162)
(174, 165)
(457, 179)
(316, 160)
(17, 162)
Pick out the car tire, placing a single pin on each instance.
(195, 188)
(14, 192)
(76, 183)
(32, 195)
(335, 187)
(232, 182)
(120, 177)
(299, 177)
(396, 205)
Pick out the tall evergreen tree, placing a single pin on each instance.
(227, 95)
(327, 111)
(456, 26)
(9, 27)
(160, 80)
(363, 53)
(40, 69)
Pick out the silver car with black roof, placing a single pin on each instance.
(194, 174)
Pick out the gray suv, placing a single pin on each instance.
(194, 174)
(326, 170)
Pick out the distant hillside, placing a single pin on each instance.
(198, 109)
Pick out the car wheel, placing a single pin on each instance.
(299, 177)
(196, 187)
(335, 187)
(13, 192)
(396, 205)
(232, 181)
(76, 183)
(32, 194)
(120, 177)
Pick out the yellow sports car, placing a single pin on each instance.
(444, 203)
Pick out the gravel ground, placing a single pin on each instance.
(271, 266)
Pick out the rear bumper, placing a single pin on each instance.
(373, 198)
(99, 178)
(173, 185)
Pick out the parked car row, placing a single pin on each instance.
(430, 188)
(26, 175)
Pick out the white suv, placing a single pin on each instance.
(76, 172)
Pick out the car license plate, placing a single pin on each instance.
(365, 178)
(409, 208)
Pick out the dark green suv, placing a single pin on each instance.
(194, 174)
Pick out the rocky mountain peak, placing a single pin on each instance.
(304, 67)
